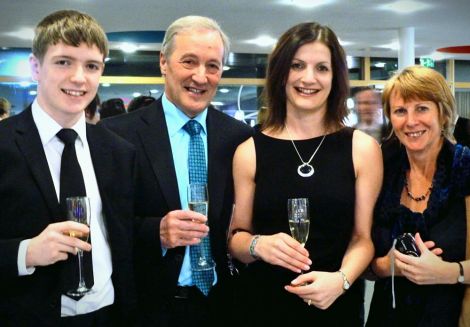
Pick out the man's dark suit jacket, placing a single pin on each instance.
(462, 131)
(28, 203)
(157, 194)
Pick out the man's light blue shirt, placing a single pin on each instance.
(179, 140)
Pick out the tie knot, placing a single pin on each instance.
(67, 135)
(192, 127)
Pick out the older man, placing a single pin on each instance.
(172, 292)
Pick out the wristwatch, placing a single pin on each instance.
(346, 284)
(461, 278)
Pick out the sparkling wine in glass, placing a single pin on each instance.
(299, 219)
(78, 209)
(198, 201)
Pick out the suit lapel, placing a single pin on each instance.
(102, 159)
(156, 143)
(217, 173)
(29, 143)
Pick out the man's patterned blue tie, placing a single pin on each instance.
(198, 174)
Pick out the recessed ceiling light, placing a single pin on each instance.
(262, 41)
(307, 3)
(154, 91)
(129, 47)
(25, 33)
(217, 103)
(405, 6)
(107, 59)
(136, 94)
(392, 46)
(226, 68)
(24, 84)
(105, 85)
(224, 90)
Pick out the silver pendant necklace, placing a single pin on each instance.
(305, 169)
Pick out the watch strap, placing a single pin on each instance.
(346, 283)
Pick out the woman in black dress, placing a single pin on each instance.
(303, 150)
(425, 182)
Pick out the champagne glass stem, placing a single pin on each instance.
(81, 283)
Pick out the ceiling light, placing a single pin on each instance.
(224, 90)
(379, 65)
(24, 84)
(107, 59)
(33, 92)
(154, 91)
(136, 94)
(105, 85)
(226, 68)
(392, 46)
(344, 43)
(437, 56)
(25, 33)
(217, 103)
(263, 41)
(307, 3)
(405, 6)
(129, 47)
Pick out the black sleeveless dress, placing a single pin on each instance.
(331, 194)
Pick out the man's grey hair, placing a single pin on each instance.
(192, 23)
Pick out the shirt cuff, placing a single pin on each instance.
(22, 269)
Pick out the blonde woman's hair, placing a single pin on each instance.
(418, 82)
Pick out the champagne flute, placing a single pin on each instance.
(78, 209)
(198, 201)
(299, 219)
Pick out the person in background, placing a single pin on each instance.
(425, 182)
(369, 110)
(67, 61)
(303, 150)
(139, 102)
(5, 107)
(171, 292)
(112, 107)
(92, 114)
(462, 131)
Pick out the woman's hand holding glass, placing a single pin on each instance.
(282, 250)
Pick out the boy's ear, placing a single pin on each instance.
(34, 66)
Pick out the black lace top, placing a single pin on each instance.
(443, 222)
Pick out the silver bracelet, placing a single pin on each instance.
(254, 240)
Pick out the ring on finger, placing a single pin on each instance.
(309, 302)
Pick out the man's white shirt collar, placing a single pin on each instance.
(48, 127)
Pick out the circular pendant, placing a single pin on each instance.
(305, 170)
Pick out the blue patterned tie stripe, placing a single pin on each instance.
(198, 174)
